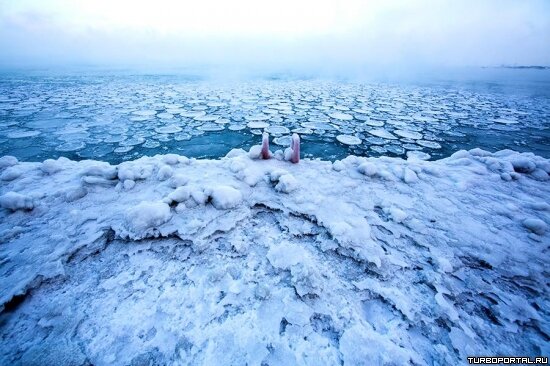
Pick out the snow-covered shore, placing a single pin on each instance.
(235, 261)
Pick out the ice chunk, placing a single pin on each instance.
(224, 197)
(11, 173)
(22, 134)
(164, 173)
(73, 194)
(277, 130)
(71, 146)
(381, 350)
(409, 176)
(383, 134)
(101, 169)
(147, 215)
(7, 161)
(348, 139)
(286, 255)
(257, 124)
(178, 180)
(287, 183)
(523, 165)
(535, 225)
(168, 129)
(255, 152)
(540, 174)
(211, 127)
(369, 169)
(417, 155)
(181, 194)
(338, 166)
(50, 166)
(134, 171)
(170, 159)
(408, 134)
(283, 140)
(129, 184)
(15, 201)
(341, 116)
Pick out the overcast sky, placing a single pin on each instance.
(274, 33)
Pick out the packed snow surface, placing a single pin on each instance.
(170, 260)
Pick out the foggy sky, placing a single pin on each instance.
(294, 34)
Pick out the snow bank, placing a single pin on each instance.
(247, 260)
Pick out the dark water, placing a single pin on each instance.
(118, 116)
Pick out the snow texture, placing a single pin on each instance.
(169, 260)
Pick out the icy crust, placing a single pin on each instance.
(173, 260)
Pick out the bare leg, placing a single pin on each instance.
(265, 154)
(295, 146)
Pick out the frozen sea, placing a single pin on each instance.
(120, 116)
(141, 223)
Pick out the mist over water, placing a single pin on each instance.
(115, 80)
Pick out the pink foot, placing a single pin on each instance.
(295, 146)
(265, 154)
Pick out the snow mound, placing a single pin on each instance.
(224, 197)
(369, 169)
(286, 183)
(535, 225)
(147, 215)
(15, 201)
(7, 161)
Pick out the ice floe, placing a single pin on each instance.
(348, 139)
